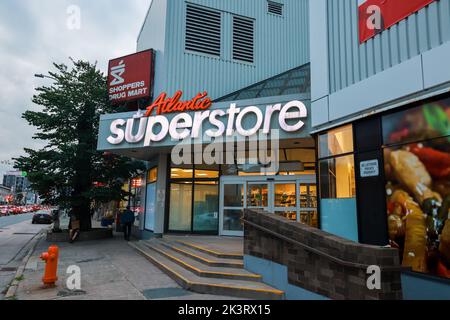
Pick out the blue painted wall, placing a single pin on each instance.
(281, 44)
(421, 288)
(339, 217)
(276, 275)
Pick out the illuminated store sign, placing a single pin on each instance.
(171, 105)
(131, 77)
(155, 128)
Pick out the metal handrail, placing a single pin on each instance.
(321, 253)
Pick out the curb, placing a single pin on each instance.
(11, 293)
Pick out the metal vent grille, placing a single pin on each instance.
(203, 30)
(275, 8)
(243, 39)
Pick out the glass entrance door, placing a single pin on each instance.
(232, 204)
(294, 198)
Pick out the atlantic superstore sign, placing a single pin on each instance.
(130, 78)
(190, 116)
(375, 16)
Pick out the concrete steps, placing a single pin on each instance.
(205, 273)
(203, 257)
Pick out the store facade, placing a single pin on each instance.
(382, 125)
(245, 154)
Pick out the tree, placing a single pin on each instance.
(69, 171)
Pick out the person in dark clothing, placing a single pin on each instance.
(127, 219)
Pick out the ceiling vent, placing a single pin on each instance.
(203, 30)
(243, 39)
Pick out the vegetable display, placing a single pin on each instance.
(417, 169)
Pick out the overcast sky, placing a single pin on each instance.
(35, 33)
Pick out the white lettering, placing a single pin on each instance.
(115, 130)
(285, 115)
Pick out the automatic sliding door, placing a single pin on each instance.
(308, 205)
(232, 204)
(286, 200)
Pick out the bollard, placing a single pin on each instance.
(51, 265)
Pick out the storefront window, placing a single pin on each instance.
(180, 207)
(257, 196)
(336, 142)
(337, 178)
(417, 124)
(181, 173)
(234, 195)
(337, 183)
(418, 186)
(136, 199)
(152, 175)
(206, 207)
(286, 195)
(194, 198)
(150, 202)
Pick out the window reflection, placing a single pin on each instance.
(336, 142)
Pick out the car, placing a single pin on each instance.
(15, 210)
(4, 211)
(42, 218)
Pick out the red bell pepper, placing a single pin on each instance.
(436, 162)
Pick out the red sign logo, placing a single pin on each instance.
(164, 105)
(131, 77)
(375, 16)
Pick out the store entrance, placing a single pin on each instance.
(293, 197)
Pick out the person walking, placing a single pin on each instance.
(74, 227)
(126, 220)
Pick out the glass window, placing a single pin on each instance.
(309, 218)
(181, 173)
(337, 178)
(233, 195)
(135, 200)
(232, 220)
(206, 174)
(303, 155)
(418, 204)
(336, 142)
(150, 207)
(180, 217)
(291, 215)
(428, 121)
(286, 195)
(152, 175)
(206, 207)
(257, 196)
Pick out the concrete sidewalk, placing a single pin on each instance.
(110, 270)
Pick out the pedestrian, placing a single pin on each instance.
(74, 226)
(126, 220)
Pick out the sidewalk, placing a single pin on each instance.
(110, 270)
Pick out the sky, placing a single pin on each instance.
(35, 33)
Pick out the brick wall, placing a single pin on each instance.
(329, 271)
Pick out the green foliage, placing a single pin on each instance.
(69, 171)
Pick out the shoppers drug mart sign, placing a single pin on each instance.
(375, 16)
(131, 77)
(180, 120)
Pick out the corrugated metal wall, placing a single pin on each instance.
(281, 43)
(351, 62)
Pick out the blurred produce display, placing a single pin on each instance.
(417, 168)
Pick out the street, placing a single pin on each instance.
(15, 234)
